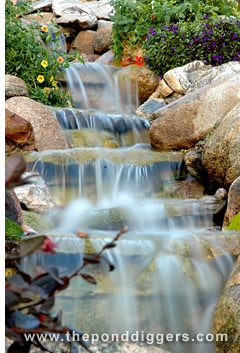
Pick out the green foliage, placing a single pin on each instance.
(132, 19)
(12, 230)
(28, 57)
(213, 40)
(235, 223)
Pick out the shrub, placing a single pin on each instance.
(28, 57)
(214, 41)
(133, 18)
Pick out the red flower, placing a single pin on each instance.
(17, 15)
(154, 17)
(41, 317)
(144, 38)
(129, 59)
(139, 60)
(48, 246)
(122, 62)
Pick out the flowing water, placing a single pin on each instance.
(169, 270)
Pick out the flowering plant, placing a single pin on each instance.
(213, 40)
(28, 57)
(133, 18)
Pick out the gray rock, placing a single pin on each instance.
(43, 5)
(101, 9)
(14, 86)
(188, 78)
(149, 107)
(83, 20)
(104, 23)
(62, 7)
(35, 196)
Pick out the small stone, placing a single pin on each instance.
(148, 108)
(221, 193)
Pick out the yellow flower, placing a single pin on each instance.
(51, 78)
(54, 83)
(60, 60)
(40, 78)
(44, 29)
(44, 63)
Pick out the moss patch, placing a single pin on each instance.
(235, 223)
(36, 221)
(12, 230)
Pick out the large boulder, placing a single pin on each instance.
(191, 118)
(103, 39)
(19, 134)
(185, 79)
(140, 77)
(233, 205)
(227, 314)
(221, 154)
(47, 131)
(14, 86)
(84, 42)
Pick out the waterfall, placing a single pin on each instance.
(169, 267)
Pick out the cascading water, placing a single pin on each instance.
(169, 269)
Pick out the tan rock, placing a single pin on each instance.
(47, 131)
(103, 39)
(43, 17)
(84, 42)
(164, 89)
(19, 134)
(227, 314)
(189, 119)
(221, 154)
(145, 79)
(233, 206)
(14, 86)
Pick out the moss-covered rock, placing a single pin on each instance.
(36, 221)
(91, 138)
(235, 223)
(81, 155)
(12, 230)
